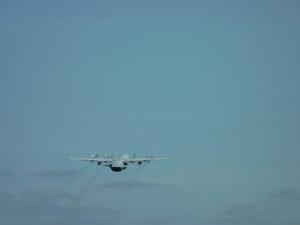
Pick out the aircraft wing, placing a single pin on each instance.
(146, 159)
(101, 160)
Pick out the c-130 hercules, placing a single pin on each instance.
(117, 164)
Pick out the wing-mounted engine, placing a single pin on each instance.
(149, 157)
(109, 156)
(94, 156)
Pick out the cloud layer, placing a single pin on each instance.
(278, 208)
(60, 173)
(50, 206)
(134, 184)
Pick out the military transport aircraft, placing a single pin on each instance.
(117, 164)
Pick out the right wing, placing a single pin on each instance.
(101, 160)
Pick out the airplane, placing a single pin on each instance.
(120, 163)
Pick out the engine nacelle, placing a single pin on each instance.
(95, 156)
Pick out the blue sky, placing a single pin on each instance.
(213, 84)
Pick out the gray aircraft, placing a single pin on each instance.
(117, 164)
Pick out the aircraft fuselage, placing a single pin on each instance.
(119, 165)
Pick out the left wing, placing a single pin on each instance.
(146, 159)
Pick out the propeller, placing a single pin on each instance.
(149, 156)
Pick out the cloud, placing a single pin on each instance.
(160, 221)
(51, 206)
(290, 195)
(245, 213)
(60, 173)
(134, 184)
(279, 208)
(4, 173)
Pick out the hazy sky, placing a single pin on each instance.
(214, 84)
